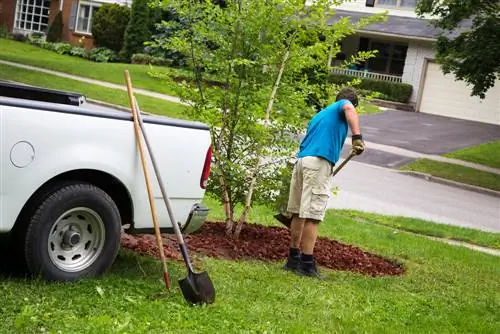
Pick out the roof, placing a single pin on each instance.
(395, 25)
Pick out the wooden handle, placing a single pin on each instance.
(146, 177)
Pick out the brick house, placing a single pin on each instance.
(407, 47)
(28, 16)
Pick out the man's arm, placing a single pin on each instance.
(353, 120)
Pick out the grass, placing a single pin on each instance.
(446, 289)
(25, 53)
(456, 173)
(114, 96)
(419, 226)
(484, 154)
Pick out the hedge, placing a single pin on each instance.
(391, 91)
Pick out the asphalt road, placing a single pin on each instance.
(371, 188)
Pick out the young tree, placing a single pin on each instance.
(258, 51)
(472, 55)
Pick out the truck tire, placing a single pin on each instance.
(74, 233)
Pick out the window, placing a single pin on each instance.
(404, 4)
(84, 17)
(32, 15)
(390, 58)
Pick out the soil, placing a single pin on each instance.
(266, 244)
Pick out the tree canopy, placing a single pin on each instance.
(469, 46)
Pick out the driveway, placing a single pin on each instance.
(425, 133)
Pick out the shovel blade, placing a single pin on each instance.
(197, 288)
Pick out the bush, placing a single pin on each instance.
(142, 58)
(55, 30)
(61, 48)
(4, 31)
(109, 24)
(391, 91)
(78, 52)
(20, 37)
(102, 55)
(137, 31)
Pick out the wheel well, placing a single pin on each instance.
(107, 182)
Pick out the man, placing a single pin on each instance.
(310, 185)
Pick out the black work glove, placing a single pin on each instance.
(358, 145)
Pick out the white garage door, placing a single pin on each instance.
(445, 96)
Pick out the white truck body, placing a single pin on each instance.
(66, 138)
(42, 141)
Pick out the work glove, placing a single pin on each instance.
(358, 145)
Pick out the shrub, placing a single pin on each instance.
(102, 55)
(61, 48)
(142, 58)
(20, 37)
(78, 52)
(391, 91)
(109, 24)
(4, 31)
(55, 30)
(137, 31)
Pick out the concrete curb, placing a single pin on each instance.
(431, 178)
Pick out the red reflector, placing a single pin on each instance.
(206, 169)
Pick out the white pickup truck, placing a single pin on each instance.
(71, 179)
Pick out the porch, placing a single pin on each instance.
(387, 65)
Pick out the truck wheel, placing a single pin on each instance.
(74, 233)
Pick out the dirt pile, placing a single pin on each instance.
(267, 244)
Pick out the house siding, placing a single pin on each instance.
(414, 63)
(7, 12)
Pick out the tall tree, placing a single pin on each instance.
(258, 51)
(137, 31)
(471, 53)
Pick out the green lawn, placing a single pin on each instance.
(423, 227)
(111, 72)
(456, 173)
(485, 154)
(446, 289)
(115, 96)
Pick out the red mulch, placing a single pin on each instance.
(264, 243)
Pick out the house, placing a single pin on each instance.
(407, 47)
(29, 16)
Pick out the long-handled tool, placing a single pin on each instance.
(287, 221)
(197, 288)
(154, 214)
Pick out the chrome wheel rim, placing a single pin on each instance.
(76, 239)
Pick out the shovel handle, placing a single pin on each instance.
(351, 155)
(175, 226)
(154, 214)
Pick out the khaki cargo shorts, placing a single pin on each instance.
(310, 188)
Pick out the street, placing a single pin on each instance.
(375, 189)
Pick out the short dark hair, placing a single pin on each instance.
(348, 94)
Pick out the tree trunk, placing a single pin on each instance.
(248, 199)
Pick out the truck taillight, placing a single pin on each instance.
(206, 169)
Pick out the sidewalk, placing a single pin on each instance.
(381, 147)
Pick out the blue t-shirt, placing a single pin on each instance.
(326, 133)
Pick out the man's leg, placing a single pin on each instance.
(296, 235)
(297, 224)
(316, 193)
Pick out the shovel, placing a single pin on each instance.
(287, 221)
(197, 288)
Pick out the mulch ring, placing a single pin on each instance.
(263, 243)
